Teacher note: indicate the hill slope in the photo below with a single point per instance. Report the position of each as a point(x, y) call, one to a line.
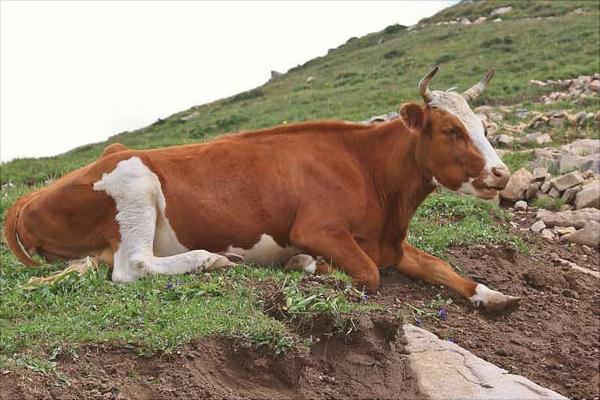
point(375, 73)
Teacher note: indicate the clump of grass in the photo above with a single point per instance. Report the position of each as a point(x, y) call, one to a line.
point(548, 203)
point(517, 160)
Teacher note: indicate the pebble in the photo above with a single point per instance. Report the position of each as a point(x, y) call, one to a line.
point(570, 293)
point(521, 205)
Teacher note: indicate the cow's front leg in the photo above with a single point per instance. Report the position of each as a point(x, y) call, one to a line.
point(339, 248)
point(419, 265)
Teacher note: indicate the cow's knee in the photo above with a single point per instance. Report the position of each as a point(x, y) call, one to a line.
point(368, 281)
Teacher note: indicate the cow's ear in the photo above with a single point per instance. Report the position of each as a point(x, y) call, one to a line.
point(413, 115)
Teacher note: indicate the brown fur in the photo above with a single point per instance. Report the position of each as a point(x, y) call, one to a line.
point(339, 190)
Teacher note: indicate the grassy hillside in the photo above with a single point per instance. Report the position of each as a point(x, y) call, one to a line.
point(375, 73)
point(369, 75)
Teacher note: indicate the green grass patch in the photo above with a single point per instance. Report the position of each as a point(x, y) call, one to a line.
point(517, 160)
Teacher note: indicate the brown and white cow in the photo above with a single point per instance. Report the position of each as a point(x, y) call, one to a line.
point(342, 191)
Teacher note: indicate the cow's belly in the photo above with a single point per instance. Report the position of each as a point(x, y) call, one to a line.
point(265, 252)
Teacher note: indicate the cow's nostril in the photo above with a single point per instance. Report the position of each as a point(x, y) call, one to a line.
point(501, 176)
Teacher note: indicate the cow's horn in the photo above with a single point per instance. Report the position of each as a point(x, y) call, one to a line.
point(476, 90)
point(424, 85)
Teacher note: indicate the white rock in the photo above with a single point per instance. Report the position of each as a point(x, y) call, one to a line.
point(445, 370)
point(536, 138)
point(589, 235)
point(562, 183)
point(500, 11)
point(589, 196)
point(577, 218)
point(547, 234)
point(564, 230)
point(538, 226)
point(517, 186)
point(521, 205)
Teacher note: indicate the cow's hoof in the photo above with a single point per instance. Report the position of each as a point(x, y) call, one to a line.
point(236, 258)
point(218, 262)
point(302, 262)
point(494, 301)
point(506, 304)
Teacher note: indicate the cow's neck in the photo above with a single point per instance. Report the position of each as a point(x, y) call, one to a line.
point(394, 161)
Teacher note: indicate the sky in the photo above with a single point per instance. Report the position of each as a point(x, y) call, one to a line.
point(73, 73)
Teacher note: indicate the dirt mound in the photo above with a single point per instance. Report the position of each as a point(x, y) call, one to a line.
point(372, 366)
point(552, 339)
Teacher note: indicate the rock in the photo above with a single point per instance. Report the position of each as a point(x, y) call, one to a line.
point(275, 75)
point(577, 218)
point(532, 190)
point(582, 147)
point(566, 181)
point(539, 174)
point(521, 205)
point(310, 79)
point(569, 194)
point(497, 20)
point(589, 235)
point(517, 186)
point(554, 193)
point(480, 20)
point(504, 140)
point(190, 117)
point(569, 162)
point(547, 234)
point(536, 138)
point(538, 226)
point(589, 196)
point(445, 370)
point(546, 186)
point(500, 11)
point(564, 230)
point(465, 21)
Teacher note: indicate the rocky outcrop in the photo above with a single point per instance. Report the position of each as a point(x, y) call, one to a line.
point(517, 186)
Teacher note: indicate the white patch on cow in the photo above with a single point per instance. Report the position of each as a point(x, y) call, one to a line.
point(486, 296)
point(265, 252)
point(456, 105)
point(137, 194)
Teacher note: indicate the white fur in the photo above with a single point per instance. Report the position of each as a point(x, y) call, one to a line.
point(456, 105)
point(484, 295)
point(137, 194)
point(265, 252)
point(311, 268)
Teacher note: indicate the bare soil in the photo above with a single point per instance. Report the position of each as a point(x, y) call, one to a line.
point(370, 365)
point(552, 339)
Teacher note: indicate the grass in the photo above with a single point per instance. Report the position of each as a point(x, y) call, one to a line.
point(365, 76)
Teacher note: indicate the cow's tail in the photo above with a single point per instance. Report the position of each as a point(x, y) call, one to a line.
point(12, 236)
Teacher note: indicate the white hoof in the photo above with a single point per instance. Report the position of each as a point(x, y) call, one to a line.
point(492, 300)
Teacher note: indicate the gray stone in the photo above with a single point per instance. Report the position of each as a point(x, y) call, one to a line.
point(445, 370)
point(589, 235)
point(532, 190)
point(569, 194)
point(521, 205)
point(536, 138)
point(562, 183)
point(500, 11)
point(570, 162)
point(554, 193)
point(547, 234)
point(538, 226)
point(546, 186)
point(190, 117)
point(517, 186)
point(589, 196)
point(577, 218)
point(564, 230)
point(504, 140)
point(582, 147)
point(539, 174)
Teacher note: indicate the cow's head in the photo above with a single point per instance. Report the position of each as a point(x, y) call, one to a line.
point(455, 148)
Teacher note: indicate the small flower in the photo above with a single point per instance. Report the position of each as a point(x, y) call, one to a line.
point(417, 321)
point(451, 340)
point(364, 297)
point(442, 313)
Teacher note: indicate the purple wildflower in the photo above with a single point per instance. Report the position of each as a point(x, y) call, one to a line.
point(442, 313)
point(417, 321)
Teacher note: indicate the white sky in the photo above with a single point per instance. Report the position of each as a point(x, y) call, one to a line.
point(72, 73)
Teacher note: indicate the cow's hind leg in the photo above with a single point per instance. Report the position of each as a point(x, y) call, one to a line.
point(419, 265)
point(137, 193)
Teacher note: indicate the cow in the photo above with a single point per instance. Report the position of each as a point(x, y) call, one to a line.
point(313, 196)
